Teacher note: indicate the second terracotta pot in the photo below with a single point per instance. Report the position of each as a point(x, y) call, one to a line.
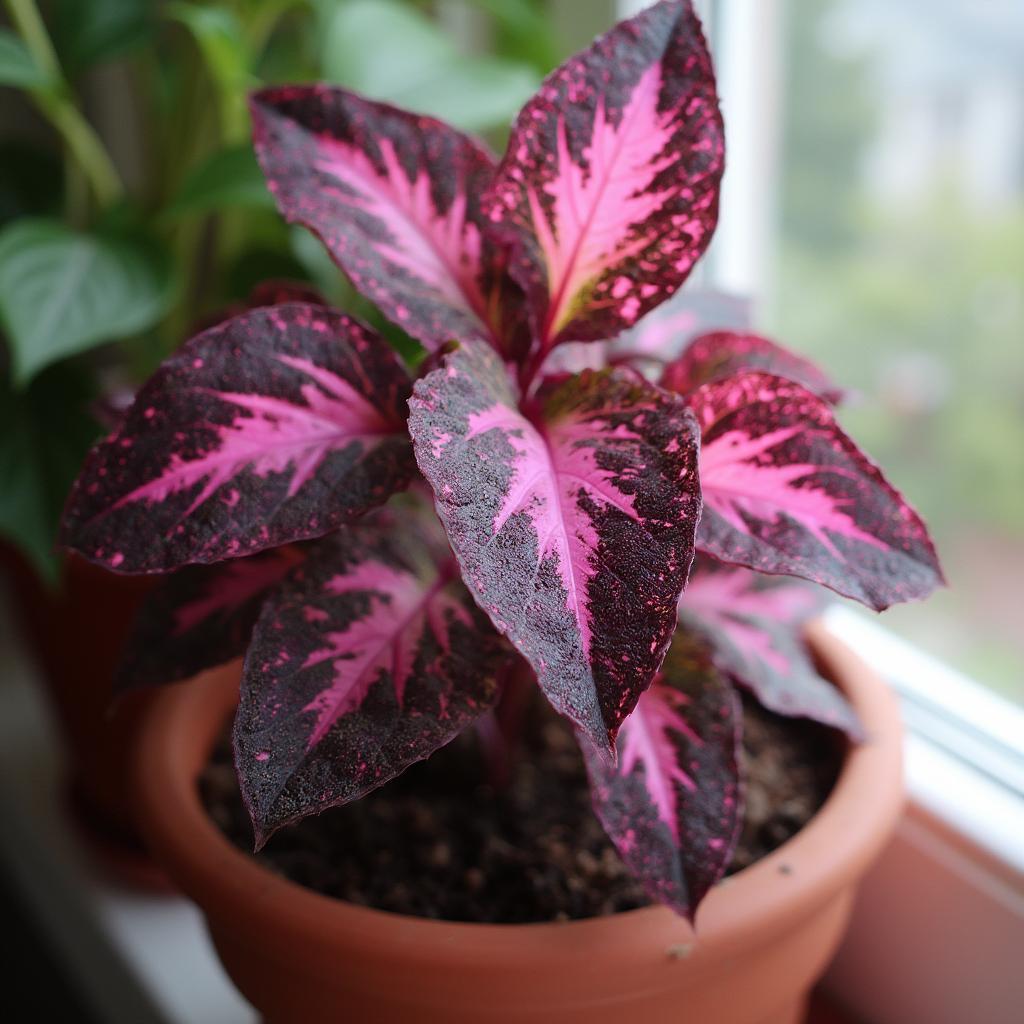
point(75, 633)
point(763, 937)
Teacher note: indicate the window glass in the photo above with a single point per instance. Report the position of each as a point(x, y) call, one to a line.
point(900, 267)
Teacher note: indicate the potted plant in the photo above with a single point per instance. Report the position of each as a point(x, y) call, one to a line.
point(402, 556)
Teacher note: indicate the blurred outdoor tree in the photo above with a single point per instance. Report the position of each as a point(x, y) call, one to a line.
point(919, 307)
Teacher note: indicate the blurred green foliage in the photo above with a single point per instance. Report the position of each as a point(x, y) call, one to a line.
point(919, 308)
point(103, 271)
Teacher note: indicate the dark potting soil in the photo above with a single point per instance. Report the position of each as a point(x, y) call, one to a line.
point(440, 842)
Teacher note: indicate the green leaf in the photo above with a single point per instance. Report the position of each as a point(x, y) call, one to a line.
point(45, 432)
point(16, 64)
point(88, 32)
point(228, 178)
point(391, 52)
point(62, 292)
point(524, 31)
point(221, 40)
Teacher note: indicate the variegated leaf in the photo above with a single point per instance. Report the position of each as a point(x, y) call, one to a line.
point(672, 805)
point(369, 658)
point(720, 354)
point(199, 617)
point(786, 491)
point(279, 425)
point(608, 192)
point(395, 197)
point(752, 625)
point(573, 526)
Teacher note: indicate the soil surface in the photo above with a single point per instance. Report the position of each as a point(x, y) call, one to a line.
point(440, 842)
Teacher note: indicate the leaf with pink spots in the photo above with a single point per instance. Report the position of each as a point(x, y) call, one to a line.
point(752, 625)
point(574, 524)
point(608, 191)
point(786, 491)
point(279, 425)
point(200, 617)
point(721, 354)
point(369, 658)
point(395, 197)
point(672, 804)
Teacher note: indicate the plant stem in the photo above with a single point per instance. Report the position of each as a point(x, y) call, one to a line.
point(56, 103)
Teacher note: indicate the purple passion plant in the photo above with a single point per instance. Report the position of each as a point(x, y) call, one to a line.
point(255, 464)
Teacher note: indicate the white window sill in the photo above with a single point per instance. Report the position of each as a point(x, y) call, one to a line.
point(938, 928)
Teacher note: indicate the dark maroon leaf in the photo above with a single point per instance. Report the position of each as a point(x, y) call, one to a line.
point(752, 625)
point(672, 805)
point(786, 491)
point(395, 197)
point(277, 293)
point(574, 526)
point(721, 354)
point(281, 424)
point(267, 293)
point(368, 659)
point(608, 191)
point(199, 617)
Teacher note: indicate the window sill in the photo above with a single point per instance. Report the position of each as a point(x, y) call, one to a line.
point(938, 926)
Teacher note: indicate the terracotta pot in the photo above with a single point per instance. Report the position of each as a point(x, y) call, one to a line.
point(762, 939)
point(75, 633)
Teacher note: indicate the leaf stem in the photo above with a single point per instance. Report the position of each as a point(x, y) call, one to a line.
point(54, 99)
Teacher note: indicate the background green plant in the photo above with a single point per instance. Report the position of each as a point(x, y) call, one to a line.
point(131, 206)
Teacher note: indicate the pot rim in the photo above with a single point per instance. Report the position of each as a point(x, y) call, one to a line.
point(777, 892)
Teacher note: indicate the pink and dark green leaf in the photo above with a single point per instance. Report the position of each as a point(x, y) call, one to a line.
point(720, 354)
point(608, 191)
point(672, 805)
point(280, 425)
point(574, 527)
point(752, 626)
point(786, 491)
point(200, 617)
point(395, 198)
point(368, 659)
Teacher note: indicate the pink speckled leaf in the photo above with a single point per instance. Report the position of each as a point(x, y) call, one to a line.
point(720, 354)
point(369, 658)
point(786, 491)
point(279, 425)
point(201, 616)
point(752, 625)
point(608, 192)
point(672, 805)
point(395, 197)
point(574, 526)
